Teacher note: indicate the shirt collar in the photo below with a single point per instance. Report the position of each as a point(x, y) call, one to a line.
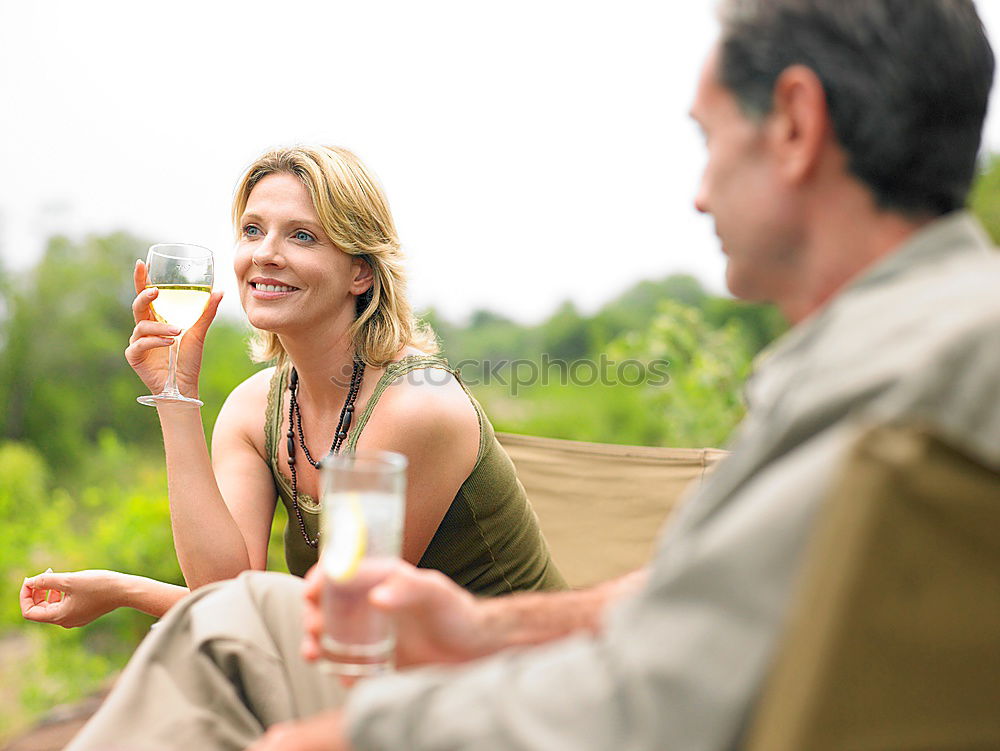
point(951, 236)
point(956, 234)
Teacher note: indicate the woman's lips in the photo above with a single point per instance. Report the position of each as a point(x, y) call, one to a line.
point(271, 290)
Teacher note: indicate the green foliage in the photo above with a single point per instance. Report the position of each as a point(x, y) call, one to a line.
point(633, 309)
point(113, 514)
point(24, 483)
point(66, 324)
point(621, 394)
point(567, 334)
point(759, 325)
point(985, 198)
point(598, 412)
point(82, 480)
point(226, 363)
point(702, 402)
point(709, 342)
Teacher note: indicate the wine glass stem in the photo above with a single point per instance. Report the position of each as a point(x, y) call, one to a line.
point(175, 348)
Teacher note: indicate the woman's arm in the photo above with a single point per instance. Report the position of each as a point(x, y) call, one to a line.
point(77, 598)
point(213, 540)
point(220, 507)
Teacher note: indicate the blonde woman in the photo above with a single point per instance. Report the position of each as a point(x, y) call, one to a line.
point(318, 268)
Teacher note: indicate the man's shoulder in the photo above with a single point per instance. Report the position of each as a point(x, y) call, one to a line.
point(938, 340)
point(921, 313)
point(923, 341)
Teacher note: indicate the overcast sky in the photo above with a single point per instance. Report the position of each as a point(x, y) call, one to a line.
point(532, 150)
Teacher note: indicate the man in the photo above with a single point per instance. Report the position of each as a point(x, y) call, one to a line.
point(842, 137)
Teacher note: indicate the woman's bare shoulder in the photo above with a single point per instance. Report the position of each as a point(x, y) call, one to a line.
point(253, 390)
point(430, 399)
point(243, 410)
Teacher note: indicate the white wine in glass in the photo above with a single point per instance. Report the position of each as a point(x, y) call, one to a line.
point(184, 275)
point(180, 305)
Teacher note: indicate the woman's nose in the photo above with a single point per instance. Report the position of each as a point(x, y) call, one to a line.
point(267, 253)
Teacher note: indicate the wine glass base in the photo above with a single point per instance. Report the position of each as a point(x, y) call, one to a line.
point(152, 400)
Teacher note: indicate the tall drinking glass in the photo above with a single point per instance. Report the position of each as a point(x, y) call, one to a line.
point(184, 275)
point(363, 499)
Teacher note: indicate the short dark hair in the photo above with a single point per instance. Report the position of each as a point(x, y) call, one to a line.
point(907, 85)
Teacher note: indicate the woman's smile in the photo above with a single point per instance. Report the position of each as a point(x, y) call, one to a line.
point(264, 288)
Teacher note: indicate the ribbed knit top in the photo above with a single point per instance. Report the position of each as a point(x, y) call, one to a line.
point(489, 541)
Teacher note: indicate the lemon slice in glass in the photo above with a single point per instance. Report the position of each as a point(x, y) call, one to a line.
point(347, 536)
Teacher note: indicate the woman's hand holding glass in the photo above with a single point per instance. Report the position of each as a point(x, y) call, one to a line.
point(152, 338)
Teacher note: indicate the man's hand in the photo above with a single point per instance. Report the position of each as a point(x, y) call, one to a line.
point(323, 732)
point(436, 620)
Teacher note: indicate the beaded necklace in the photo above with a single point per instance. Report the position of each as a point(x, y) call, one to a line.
point(343, 425)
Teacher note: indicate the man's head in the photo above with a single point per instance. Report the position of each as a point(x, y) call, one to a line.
point(834, 128)
point(906, 82)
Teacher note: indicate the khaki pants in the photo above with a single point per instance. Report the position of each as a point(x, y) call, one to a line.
point(222, 666)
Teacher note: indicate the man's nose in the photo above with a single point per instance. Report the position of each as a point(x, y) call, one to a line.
point(701, 197)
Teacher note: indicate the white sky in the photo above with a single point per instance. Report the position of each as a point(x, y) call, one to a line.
point(532, 151)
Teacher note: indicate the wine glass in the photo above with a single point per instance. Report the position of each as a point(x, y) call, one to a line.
point(183, 274)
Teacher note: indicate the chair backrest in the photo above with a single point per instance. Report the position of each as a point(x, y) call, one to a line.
point(601, 505)
point(894, 638)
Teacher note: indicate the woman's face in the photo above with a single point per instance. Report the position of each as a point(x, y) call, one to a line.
point(290, 274)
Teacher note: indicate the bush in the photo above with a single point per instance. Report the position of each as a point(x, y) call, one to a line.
point(115, 515)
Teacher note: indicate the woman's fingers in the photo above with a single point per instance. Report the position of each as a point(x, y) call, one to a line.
point(149, 335)
point(135, 351)
point(153, 328)
point(139, 275)
point(41, 596)
point(27, 599)
point(44, 612)
point(200, 328)
point(48, 580)
point(140, 305)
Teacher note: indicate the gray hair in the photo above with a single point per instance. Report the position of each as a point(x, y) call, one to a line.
point(907, 85)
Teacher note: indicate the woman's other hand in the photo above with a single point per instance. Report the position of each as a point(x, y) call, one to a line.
point(148, 347)
point(69, 599)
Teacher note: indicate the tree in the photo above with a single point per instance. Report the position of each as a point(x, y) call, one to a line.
point(565, 335)
point(702, 400)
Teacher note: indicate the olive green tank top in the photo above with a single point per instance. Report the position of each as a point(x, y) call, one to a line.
point(488, 542)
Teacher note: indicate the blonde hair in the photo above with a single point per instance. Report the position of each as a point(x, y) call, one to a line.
point(355, 216)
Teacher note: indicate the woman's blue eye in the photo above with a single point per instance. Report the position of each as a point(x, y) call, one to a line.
point(251, 231)
point(304, 237)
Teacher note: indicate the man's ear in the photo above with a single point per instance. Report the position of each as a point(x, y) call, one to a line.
point(799, 125)
point(364, 276)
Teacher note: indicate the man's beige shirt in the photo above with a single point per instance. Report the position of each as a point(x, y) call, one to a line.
point(679, 665)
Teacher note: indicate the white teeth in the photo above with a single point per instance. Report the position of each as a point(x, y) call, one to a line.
point(272, 288)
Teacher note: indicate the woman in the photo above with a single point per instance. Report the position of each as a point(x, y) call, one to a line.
point(318, 268)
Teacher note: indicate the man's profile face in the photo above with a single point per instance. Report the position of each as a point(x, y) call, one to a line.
point(741, 191)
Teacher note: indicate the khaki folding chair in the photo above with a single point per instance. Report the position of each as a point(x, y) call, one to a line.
point(601, 505)
point(894, 639)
